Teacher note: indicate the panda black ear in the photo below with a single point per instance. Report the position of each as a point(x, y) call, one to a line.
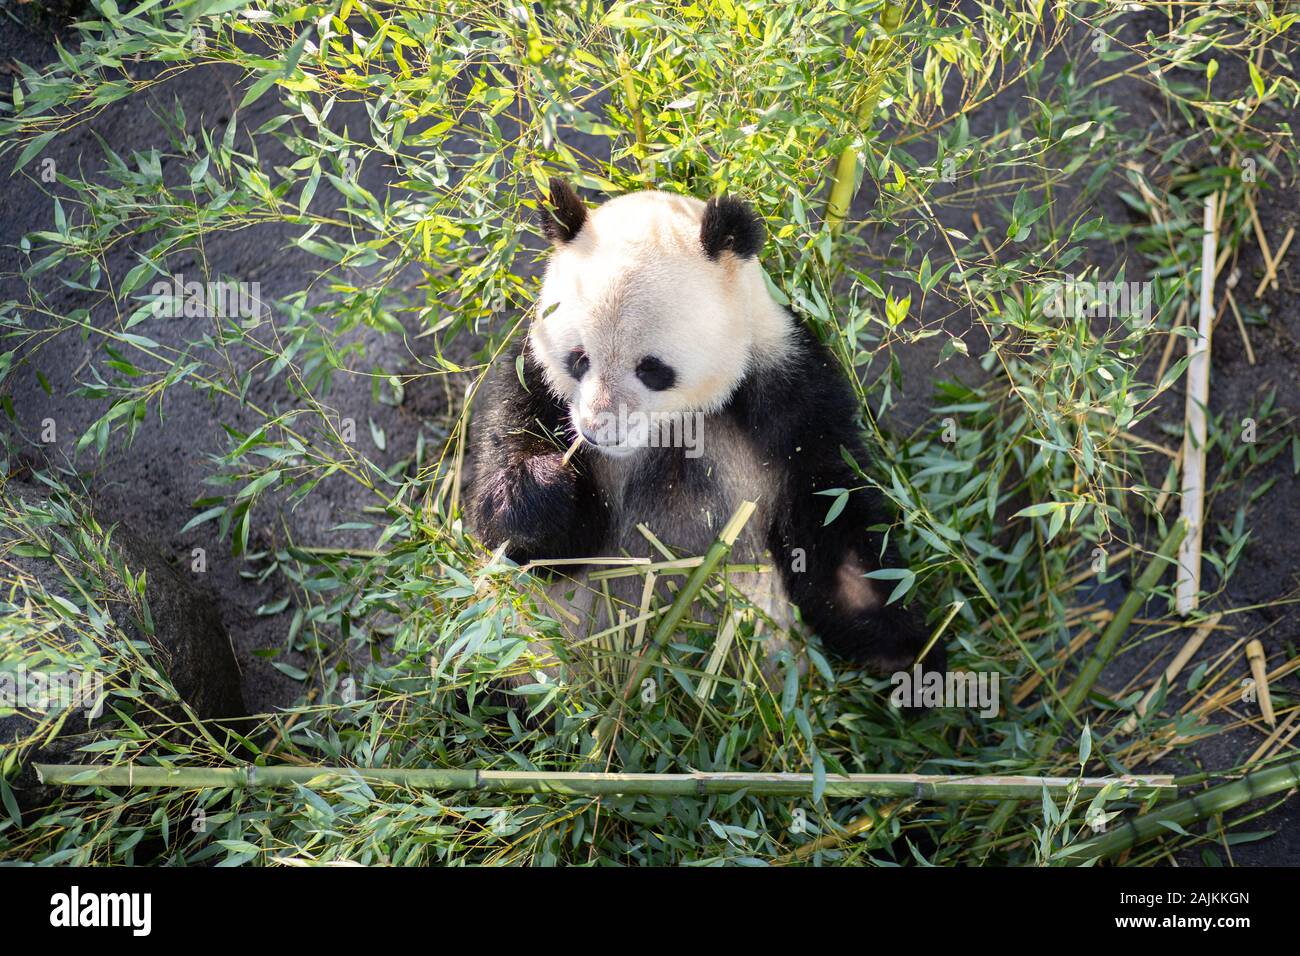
point(729, 225)
point(562, 213)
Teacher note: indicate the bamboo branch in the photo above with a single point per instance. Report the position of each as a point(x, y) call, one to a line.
point(572, 783)
point(1270, 273)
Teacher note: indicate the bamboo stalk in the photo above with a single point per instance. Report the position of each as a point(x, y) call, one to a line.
point(1270, 273)
point(844, 185)
point(1198, 400)
point(576, 783)
point(1183, 813)
point(668, 624)
point(633, 102)
point(1087, 676)
point(1259, 670)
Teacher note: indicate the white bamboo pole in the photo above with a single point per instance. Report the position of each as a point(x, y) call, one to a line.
point(1198, 399)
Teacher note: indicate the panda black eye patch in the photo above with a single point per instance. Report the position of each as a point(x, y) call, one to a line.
point(577, 363)
point(654, 374)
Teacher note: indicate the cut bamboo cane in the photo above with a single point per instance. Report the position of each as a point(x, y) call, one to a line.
point(1270, 267)
point(574, 783)
point(1185, 654)
point(1183, 813)
point(1259, 671)
point(1241, 328)
point(1198, 399)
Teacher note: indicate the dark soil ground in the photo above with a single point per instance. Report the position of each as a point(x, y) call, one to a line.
point(150, 486)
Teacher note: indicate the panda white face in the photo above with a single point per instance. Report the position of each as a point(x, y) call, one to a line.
point(653, 307)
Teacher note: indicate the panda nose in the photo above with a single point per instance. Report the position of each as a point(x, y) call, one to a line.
point(589, 437)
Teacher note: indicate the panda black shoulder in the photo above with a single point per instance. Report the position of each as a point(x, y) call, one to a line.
point(801, 399)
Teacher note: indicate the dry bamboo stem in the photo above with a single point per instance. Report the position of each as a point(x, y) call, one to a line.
point(1175, 668)
point(1260, 236)
point(1031, 683)
point(1198, 399)
point(1235, 693)
point(1241, 327)
point(574, 783)
point(1259, 670)
point(1270, 265)
point(1279, 738)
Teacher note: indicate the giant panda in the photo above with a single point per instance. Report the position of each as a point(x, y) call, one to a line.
point(654, 308)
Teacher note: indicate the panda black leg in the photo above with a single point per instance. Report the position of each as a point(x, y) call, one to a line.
point(824, 567)
point(804, 417)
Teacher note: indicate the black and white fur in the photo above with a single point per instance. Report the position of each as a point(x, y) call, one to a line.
point(666, 283)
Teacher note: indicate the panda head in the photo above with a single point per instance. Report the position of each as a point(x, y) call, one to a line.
point(653, 306)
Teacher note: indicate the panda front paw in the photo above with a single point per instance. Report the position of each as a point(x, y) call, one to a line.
point(897, 635)
point(532, 504)
point(885, 640)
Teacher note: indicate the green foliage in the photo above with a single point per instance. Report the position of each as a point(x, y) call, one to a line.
point(1004, 493)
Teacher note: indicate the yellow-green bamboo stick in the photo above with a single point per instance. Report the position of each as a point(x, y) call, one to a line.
point(578, 783)
point(1091, 670)
point(844, 185)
